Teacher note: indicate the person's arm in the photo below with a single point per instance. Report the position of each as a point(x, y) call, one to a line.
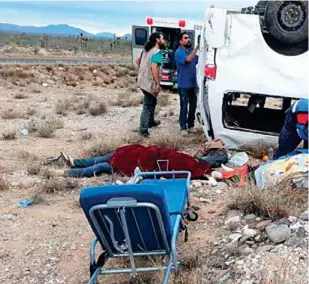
point(192, 55)
point(155, 73)
point(156, 62)
point(138, 60)
point(182, 58)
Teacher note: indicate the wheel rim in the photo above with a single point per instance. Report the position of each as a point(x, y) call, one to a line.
point(291, 15)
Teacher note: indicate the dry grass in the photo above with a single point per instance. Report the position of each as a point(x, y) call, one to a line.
point(127, 99)
point(45, 129)
point(27, 156)
point(276, 202)
point(12, 114)
point(9, 134)
point(62, 107)
point(53, 184)
point(169, 139)
point(111, 143)
point(34, 168)
point(36, 91)
point(4, 185)
point(97, 108)
point(20, 96)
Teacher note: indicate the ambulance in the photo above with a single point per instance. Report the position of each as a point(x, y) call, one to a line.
point(171, 29)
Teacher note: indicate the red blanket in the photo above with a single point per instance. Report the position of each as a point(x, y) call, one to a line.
point(127, 158)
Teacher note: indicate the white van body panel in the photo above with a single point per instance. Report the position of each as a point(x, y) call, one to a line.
point(245, 63)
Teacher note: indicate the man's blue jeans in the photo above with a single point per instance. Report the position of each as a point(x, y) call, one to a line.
point(91, 166)
point(186, 119)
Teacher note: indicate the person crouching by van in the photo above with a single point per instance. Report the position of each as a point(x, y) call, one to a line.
point(186, 61)
point(295, 129)
point(149, 80)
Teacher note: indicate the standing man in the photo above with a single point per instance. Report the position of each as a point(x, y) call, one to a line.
point(186, 61)
point(149, 80)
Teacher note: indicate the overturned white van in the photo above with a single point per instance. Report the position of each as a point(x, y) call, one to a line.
point(247, 77)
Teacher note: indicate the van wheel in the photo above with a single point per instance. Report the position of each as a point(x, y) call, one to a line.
point(287, 21)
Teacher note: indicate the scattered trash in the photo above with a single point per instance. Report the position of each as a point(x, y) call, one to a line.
point(242, 172)
point(25, 203)
point(24, 132)
point(238, 160)
point(271, 153)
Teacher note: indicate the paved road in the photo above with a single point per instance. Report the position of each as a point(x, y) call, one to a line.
point(29, 60)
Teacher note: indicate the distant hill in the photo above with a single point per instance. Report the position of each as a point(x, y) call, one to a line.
point(60, 30)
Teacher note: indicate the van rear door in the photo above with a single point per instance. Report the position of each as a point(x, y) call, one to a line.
point(203, 114)
point(140, 36)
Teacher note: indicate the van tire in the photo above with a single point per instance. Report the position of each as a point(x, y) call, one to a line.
point(292, 32)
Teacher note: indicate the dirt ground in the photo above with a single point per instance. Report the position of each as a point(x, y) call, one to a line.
point(48, 242)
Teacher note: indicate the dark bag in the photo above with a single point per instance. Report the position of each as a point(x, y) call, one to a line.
point(215, 158)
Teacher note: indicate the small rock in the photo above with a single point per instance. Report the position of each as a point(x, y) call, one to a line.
point(250, 217)
point(233, 216)
point(239, 262)
point(94, 71)
point(295, 227)
point(222, 186)
point(249, 233)
point(250, 243)
point(218, 191)
point(258, 238)
point(283, 221)
point(44, 85)
point(278, 233)
point(204, 200)
point(262, 225)
point(99, 80)
point(304, 216)
point(16, 83)
point(292, 219)
point(258, 219)
point(196, 184)
point(211, 211)
point(293, 241)
point(235, 219)
point(247, 251)
point(235, 237)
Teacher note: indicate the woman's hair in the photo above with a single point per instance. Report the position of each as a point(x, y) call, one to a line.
point(152, 41)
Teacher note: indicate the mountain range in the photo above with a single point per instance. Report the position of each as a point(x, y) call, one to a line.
point(59, 30)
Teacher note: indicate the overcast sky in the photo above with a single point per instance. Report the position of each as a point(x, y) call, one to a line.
point(105, 16)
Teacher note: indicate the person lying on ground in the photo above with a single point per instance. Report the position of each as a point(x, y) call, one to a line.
point(125, 159)
point(295, 129)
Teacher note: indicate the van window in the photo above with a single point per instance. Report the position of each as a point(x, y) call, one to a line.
point(140, 36)
point(255, 112)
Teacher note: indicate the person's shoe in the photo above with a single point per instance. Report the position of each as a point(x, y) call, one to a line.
point(155, 123)
point(67, 159)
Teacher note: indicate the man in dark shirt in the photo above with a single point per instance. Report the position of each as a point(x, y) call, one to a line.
point(186, 61)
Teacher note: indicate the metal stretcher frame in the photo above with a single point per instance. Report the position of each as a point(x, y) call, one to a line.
point(121, 205)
